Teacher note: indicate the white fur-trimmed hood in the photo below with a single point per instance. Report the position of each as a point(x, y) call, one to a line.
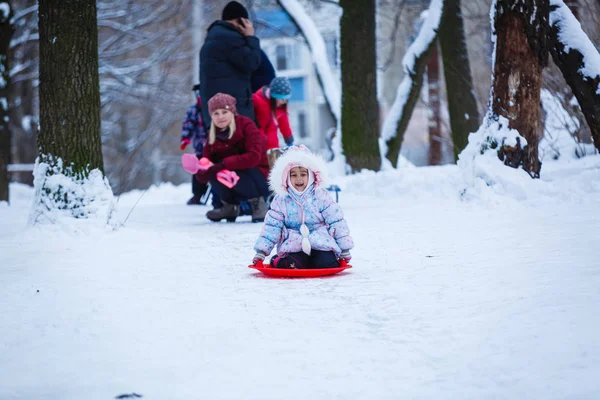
point(296, 156)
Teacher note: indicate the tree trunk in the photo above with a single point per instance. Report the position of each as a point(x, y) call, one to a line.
point(414, 64)
point(521, 54)
point(6, 32)
point(433, 112)
point(462, 106)
point(360, 108)
point(571, 62)
point(69, 85)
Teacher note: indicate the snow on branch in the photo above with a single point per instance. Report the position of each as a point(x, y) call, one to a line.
point(574, 38)
point(413, 64)
point(579, 62)
point(331, 85)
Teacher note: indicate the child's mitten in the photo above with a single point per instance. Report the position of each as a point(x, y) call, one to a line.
point(259, 256)
point(289, 141)
point(184, 144)
point(345, 255)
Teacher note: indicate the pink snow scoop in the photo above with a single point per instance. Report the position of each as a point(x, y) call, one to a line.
point(192, 165)
point(228, 178)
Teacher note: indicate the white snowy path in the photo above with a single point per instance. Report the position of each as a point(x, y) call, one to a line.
point(447, 299)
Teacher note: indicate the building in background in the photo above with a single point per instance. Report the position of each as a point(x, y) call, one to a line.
point(310, 118)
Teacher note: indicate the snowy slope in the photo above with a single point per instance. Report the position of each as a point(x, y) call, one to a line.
point(458, 291)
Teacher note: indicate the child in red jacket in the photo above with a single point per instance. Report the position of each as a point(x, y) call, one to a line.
point(235, 144)
point(270, 109)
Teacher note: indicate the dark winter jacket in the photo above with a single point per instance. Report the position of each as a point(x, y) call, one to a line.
point(227, 61)
point(247, 148)
point(264, 74)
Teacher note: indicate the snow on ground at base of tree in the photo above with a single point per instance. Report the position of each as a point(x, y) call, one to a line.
point(457, 292)
point(90, 197)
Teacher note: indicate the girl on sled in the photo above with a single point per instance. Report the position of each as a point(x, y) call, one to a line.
point(304, 222)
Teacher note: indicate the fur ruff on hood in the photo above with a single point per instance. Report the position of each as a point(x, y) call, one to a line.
point(296, 156)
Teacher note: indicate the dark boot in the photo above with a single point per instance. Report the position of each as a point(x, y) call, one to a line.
point(194, 201)
point(228, 212)
point(259, 209)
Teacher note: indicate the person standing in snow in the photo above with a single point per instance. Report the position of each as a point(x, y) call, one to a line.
point(193, 132)
point(264, 74)
point(229, 56)
point(304, 222)
point(235, 144)
point(270, 107)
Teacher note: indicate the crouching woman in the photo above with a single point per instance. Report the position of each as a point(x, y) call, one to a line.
point(235, 144)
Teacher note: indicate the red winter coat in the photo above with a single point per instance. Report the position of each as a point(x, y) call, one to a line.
point(246, 148)
point(269, 121)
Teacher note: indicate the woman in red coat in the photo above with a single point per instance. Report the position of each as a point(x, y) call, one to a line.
point(235, 144)
point(270, 109)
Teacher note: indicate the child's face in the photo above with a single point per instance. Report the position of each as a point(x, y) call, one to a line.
point(222, 118)
point(299, 178)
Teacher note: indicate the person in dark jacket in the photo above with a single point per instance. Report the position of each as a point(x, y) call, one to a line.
point(265, 73)
point(235, 144)
point(229, 56)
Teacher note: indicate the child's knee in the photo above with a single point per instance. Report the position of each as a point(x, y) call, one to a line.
point(324, 259)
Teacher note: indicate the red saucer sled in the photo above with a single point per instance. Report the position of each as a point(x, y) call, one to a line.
point(299, 273)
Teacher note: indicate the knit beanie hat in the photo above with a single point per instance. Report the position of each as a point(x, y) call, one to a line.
point(280, 88)
point(234, 10)
point(221, 101)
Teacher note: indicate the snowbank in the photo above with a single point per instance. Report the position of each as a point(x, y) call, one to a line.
point(61, 198)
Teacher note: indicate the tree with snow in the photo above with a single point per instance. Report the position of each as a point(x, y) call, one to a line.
point(443, 22)
point(69, 177)
point(521, 53)
point(145, 53)
point(6, 32)
point(579, 62)
point(524, 33)
point(462, 106)
point(360, 106)
point(330, 84)
point(414, 64)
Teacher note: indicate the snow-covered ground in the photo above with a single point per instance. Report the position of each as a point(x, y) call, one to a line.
point(458, 291)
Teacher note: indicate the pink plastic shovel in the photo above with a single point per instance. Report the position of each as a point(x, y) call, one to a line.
point(190, 163)
point(228, 178)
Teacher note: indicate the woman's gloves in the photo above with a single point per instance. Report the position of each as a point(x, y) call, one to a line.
point(205, 175)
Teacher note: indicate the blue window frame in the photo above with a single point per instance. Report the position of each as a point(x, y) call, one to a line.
point(297, 89)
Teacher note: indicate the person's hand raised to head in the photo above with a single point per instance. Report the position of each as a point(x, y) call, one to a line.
point(246, 27)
